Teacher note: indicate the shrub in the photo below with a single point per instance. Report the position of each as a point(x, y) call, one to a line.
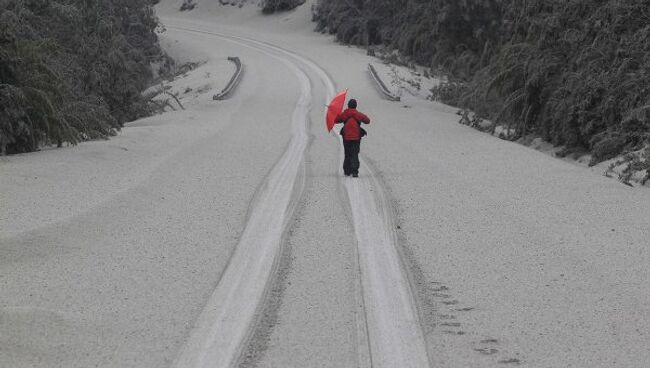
point(449, 93)
point(607, 148)
point(187, 5)
point(272, 6)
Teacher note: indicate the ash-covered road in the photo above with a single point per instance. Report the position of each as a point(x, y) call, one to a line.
point(226, 235)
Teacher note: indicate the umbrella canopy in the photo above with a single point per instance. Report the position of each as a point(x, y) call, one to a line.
point(334, 108)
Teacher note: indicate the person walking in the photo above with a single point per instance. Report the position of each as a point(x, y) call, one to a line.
point(352, 134)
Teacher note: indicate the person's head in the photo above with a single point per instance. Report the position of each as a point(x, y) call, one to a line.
point(352, 104)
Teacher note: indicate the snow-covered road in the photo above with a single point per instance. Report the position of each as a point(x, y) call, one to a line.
point(230, 315)
point(392, 322)
point(225, 235)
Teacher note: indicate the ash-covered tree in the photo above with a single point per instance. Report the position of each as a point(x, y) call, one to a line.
point(72, 69)
point(573, 71)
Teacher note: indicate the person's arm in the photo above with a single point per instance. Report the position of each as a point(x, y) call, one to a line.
point(364, 118)
point(340, 118)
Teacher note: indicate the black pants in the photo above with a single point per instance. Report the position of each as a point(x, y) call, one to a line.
point(351, 162)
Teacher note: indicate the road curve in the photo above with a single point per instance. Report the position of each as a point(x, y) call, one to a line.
point(393, 324)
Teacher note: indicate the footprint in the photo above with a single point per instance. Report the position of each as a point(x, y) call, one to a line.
point(450, 302)
point(449, 332)
point(466, 309)
point(486, 351)
point(510, 361)
point(489, 341)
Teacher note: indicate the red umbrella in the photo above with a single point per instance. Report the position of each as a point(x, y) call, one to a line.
point(334, 108)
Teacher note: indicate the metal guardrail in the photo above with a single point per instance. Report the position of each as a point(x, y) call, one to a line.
point(381, 85)
point(234, 81)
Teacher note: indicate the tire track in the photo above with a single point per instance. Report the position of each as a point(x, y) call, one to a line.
point(226, 322)
point(394, 328)
point(392, 320)
point(394, 333)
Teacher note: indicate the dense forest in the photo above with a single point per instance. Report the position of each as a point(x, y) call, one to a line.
point(575, 72)
point(72, 70)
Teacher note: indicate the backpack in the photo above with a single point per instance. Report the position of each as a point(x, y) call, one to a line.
point(361, 130)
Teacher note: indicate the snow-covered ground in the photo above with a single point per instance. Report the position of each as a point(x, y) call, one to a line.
point(113, 251)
